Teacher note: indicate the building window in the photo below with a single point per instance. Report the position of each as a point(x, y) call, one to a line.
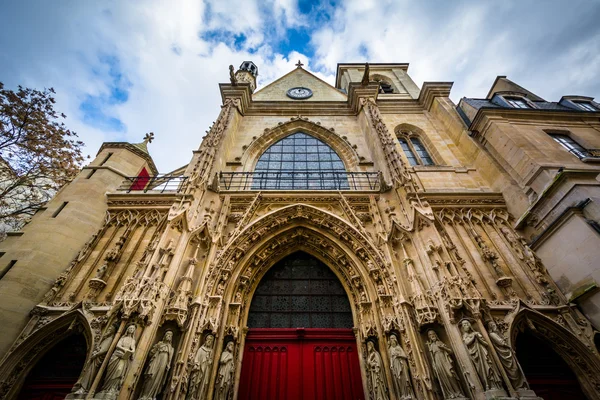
point(300, 162)
point(517, 102)
point(300, 291)
point(414, 151)
point(585, 105)
point(385, 88)
point(572, 146)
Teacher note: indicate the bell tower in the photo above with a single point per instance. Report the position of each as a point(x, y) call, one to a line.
point(247, 74)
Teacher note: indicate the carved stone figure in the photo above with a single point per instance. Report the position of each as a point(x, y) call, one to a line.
point(224, 382)
point(200, 378)
point(479, 352)
point(507, 357)
point(399, 368)
point(512, 240)
point(101, 271)
point(156, 373)
point(85, 382)
point(118, 364)
point(443, 366)
point(375, 373)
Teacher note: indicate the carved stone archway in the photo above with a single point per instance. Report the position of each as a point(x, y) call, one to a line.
point(300, 124)
point(23, 358)
point(362, 269)
point(573, 351)
point(357, 262)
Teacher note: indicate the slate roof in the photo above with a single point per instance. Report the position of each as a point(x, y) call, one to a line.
point(542, 105)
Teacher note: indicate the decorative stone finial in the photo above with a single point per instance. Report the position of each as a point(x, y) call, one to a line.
point(232, 77)
point(149, 137)
point(299, 64)
point(365, 78)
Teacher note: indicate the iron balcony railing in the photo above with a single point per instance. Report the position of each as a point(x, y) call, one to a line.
point(300, 180)
point(585, 153)
point(158, 183)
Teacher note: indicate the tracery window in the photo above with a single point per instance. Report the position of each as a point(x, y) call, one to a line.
point(414, 150)
point(299, 162)
point(300, 292)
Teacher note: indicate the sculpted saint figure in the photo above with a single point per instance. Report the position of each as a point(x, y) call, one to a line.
point(85, 382)
point(443, 367)
point(119, 362)
point(507, 357)
point(224, 383)
point(376, 374)
point(399, 368)
point(155, 376)
point(478, 350)
point(199, 380)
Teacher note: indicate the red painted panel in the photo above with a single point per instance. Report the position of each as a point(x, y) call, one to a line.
point(141, 180)
point(300, 364)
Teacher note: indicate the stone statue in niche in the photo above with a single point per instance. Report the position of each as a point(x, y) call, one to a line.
point(479, 353)
point(156, 373)
point(399, 368)
point(224, 382)
point(200, 377)
point(376, 373)
point(87, 378)
point(507, 357)
point(118, 364)
point(101, 271)
point(443, 366)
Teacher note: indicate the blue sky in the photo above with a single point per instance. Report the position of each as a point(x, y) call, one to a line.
point(123, 68)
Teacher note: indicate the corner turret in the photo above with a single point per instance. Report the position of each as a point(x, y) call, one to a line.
point(247, 73)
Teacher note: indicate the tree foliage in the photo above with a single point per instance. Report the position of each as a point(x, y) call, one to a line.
point(38, 154)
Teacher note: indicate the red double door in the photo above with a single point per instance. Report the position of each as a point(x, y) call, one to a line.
point(300, 364)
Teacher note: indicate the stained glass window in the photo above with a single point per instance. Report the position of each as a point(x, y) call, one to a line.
point(300, 292)
point(300, 162)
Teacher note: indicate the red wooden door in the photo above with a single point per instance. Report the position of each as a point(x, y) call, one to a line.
point(300, 364)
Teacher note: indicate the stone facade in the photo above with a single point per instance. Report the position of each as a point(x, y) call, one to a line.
point(159, 281)
point(552, 192)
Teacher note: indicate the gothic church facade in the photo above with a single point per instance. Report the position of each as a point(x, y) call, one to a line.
point(324, 242)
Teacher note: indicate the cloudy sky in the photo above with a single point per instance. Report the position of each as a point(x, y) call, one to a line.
point(124, 68)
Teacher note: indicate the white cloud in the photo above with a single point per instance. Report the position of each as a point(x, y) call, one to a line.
point(174, 54)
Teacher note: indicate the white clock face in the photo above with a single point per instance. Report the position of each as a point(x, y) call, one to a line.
point(299, 93)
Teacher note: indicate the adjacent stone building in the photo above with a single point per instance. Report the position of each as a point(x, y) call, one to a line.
point(361, 241)
point(549, 154)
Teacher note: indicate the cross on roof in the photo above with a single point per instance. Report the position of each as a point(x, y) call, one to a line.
point(299, 65)
point(149, 137)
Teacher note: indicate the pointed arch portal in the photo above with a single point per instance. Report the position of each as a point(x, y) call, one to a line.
point(300, 343)
point(54, 375)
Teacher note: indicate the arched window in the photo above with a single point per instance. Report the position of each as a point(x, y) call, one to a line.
point(300, 292)
point(385, 87)
point(415, 151)
point(299, 162)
